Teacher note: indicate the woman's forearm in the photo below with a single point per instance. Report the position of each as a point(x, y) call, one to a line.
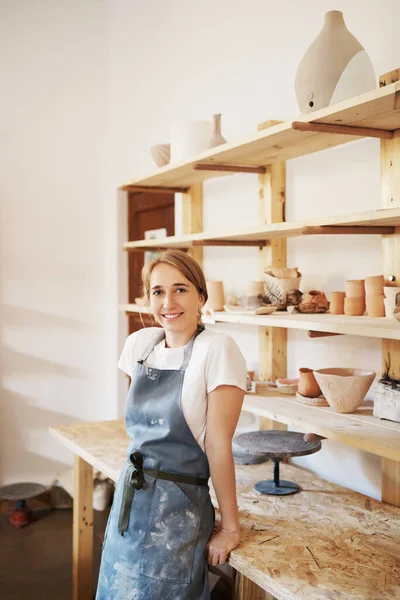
point(222, 470)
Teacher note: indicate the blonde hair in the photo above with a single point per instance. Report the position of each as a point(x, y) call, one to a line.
point(189, 268)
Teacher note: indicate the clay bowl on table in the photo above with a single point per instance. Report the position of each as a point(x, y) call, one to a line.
point(161, 154)
point(344, 389)
point(287, 386)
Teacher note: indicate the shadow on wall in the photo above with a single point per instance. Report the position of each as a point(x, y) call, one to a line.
point(16, 363)
point(335, 459)
point(25, 443)
point(21, 316)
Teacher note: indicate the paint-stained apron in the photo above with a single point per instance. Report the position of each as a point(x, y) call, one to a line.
point(154, 544)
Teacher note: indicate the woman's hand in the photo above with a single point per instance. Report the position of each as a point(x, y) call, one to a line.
point(220, 544)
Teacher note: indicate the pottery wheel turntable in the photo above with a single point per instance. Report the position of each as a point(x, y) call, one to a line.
point(276, 445)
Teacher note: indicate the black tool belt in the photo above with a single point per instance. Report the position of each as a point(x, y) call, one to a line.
point(134, 480)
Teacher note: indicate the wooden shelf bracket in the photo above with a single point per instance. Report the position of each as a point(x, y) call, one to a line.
point(229, 168)
point(343, 129)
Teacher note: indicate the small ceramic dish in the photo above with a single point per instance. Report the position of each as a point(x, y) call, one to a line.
point(318, 401)
point(287, 386)
point(396, 314)
point(263, 310)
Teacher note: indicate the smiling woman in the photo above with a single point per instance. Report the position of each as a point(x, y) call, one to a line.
point(182, 408)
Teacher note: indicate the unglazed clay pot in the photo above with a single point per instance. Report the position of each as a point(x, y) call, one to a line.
point(215, 290)
point(308, 385)
point(374, 285)
point(375, 306)
point(355, 288)
point(354, 307)
point(337, 303)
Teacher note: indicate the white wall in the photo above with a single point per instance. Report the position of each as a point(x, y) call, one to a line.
point(57, 285)
point(175, 60)
point(86, 87)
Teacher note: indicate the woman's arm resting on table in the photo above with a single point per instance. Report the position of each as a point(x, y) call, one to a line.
point(224, 406)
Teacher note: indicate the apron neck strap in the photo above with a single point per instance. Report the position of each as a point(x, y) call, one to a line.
point(188, 348)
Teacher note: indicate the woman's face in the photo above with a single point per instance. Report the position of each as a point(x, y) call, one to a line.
point(174, 301)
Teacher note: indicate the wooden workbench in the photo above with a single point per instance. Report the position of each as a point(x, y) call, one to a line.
point(324, 543)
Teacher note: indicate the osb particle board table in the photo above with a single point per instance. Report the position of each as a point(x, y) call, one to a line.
point(324, 543)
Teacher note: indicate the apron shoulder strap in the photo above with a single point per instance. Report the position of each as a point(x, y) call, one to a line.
point(156, 339)
point(189, 348)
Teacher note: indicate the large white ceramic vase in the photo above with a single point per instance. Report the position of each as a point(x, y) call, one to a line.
point(335, 67)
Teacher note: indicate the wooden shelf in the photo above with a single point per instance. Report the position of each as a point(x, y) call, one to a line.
point(359, 429)
point(376, 222)
point(372, 327)
point(378, 109)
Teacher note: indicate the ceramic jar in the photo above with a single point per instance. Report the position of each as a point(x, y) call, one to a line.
point(215, 290)
point(355, 288)
point(337, 303)
point(335, 67)
point(376, 306)
point(374, 285)
point(354, 307)
point(308, 385)
point(217, 138)
point(189, 138)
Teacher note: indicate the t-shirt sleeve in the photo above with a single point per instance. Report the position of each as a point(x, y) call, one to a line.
point(225, 364)
point(126, 360)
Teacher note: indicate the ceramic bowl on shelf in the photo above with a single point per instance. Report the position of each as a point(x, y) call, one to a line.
point(161, 154)
point(344, 389)
point(287, 386)
point(396, 314)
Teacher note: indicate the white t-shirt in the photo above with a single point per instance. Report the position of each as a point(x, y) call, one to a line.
point(216, 360)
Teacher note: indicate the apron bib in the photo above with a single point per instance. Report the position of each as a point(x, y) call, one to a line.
point(162, 516)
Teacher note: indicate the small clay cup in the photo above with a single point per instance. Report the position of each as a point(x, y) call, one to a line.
point(355, 288)
point(374, 285)
point(354, 307)
point(375, 306)
point(308, 385)
point(337, 303)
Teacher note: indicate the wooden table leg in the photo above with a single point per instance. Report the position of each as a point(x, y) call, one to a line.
point(82, 556)
point(245, 589)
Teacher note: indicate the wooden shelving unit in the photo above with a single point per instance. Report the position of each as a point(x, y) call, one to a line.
point(374, 222)
point(372, 327)
point(376, 112)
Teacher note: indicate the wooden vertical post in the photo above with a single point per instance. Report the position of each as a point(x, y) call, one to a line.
point(272, 340)
point(390, 173)
point(192, 217)
point(82, 552)
point(245, 589)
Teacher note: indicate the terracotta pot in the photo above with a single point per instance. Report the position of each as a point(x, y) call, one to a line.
point(374, 285)
point(215, 291)
point(337, 303)
point(375, 306)
point(354, 307)
point(355, 288)
point(308, 385)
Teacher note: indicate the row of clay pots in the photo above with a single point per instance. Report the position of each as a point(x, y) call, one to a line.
point(361, 295)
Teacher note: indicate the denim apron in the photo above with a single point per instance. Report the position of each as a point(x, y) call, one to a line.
point(162, 516)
